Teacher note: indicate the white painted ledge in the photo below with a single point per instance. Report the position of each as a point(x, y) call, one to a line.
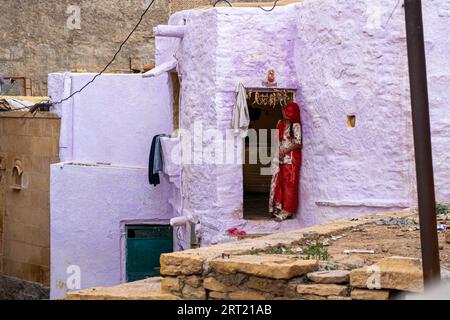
point(169, 31)
point(165, 67)
point(364, 203)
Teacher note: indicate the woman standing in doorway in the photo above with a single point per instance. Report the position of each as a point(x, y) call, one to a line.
point(286, 165)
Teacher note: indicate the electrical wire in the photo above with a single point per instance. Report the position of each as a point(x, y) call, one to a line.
point(222, 1)
point(117, 53)
point(104, 69)
point(112, 60)
point(392, 13)
point(273, 8)
point(8, 89)
point(262, 8)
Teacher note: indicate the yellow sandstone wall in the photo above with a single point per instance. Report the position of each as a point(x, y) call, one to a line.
point(25, 213)
point(86, 45)
point(179, 5)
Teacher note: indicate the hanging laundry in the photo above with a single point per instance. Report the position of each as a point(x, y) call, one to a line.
point(241, 116)
point(155, 165)
point(171, 156)
point(157, 162)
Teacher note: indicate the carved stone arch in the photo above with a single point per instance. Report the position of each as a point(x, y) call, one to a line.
point(17, 175)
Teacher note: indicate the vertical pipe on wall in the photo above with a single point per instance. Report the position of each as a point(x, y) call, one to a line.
point(422, 141)
point(66, 114)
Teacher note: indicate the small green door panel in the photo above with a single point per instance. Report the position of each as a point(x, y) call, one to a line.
point(145, 244)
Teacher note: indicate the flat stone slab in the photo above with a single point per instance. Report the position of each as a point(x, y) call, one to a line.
point(329, 277)
point(397, 273)
point(362, 294)
point(267, 266)
point(149, 289)
point(322, 290)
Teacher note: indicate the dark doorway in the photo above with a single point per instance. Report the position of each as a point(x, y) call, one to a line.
point(257, 184)
point(265, 111)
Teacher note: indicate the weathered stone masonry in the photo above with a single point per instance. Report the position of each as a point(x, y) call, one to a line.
point(244, 270)
point(42, 37)
point(32, 143)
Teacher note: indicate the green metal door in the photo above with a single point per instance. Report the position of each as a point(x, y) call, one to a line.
point(145, 244)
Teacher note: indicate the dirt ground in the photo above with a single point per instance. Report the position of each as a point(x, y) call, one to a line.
point(384, 240)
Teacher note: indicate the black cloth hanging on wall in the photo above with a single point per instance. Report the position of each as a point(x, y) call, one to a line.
point(152, 177)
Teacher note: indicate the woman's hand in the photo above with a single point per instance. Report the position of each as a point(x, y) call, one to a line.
point(283, 153)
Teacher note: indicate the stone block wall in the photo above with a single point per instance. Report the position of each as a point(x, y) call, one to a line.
point(48, 36)
point(25, 210)
point(226, 283)
point(62, 35)
point(179, 5)
point(247, 270)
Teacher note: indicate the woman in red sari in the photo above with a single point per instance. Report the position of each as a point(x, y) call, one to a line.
point(286, 165)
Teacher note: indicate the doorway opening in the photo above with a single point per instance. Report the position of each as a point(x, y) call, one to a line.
point(265, 111)
point(175, 80)
point(144, 246)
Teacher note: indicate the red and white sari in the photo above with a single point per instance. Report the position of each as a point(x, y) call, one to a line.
point(284, 189)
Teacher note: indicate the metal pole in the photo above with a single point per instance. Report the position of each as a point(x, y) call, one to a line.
point(422, 141)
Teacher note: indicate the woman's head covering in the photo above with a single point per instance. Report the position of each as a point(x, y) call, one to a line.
point(292, 111)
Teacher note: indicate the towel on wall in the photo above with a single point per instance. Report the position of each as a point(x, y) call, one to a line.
point(241, 116)
point(171, 156)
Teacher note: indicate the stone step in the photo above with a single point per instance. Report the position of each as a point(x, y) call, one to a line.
point(362, 294)
point(323, 290)
point(149, 289)
point(394, 273)
point(268, 266)
point(330, 277)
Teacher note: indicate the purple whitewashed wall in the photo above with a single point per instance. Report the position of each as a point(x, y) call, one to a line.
point(114, 121)
point(343, 57)
point(351, 60)
point(437, 30)
point(90, 207)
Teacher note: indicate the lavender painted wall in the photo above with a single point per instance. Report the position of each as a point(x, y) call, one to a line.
point(437, 30)
point(114, 122)
point(350, 61)
point(90, 206)
point(115, 119)
point(345, 58)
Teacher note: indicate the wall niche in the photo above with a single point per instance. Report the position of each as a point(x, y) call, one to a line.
point(17, 175)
